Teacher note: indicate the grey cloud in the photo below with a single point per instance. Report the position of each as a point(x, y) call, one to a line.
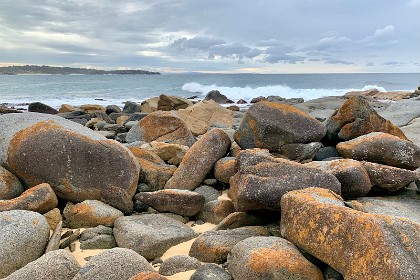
point(200, 43)
point(234, 51)
point(370, 64)
point(393, 63)
point(338, 61)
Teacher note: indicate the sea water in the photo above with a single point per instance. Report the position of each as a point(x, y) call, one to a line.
point(54, 90)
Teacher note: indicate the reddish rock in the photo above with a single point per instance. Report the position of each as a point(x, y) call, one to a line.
point(40, 198)
point(10, 186)
point(224, 169)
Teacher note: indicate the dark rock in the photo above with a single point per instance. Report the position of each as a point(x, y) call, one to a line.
point(326, 152)
point(258, 99)
point(233, 108)
point(300, 152)
point(103, 116)
point(114, 116)
point(210, 271)
point(10, 186)
point(137, 116)
point(241, 101)
point(218, 97)
point(215, 211)
point(112, 109)
point(38, 107)
point(70, 239)
point(178, 264)
point(242, 219)
point(169, 103)
point(208, 192)
point(332, 274)
point(100, 237)
point(131, 107)
point(75, 115)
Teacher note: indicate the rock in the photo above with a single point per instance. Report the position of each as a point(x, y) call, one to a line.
point(10, 186)
point(149, 105)
point(210, 182)
point(99, 237)
point(402, 112)
point(332, 274)
point(178, 264)
point(214, 246)
point(54, 242)
point(199, 160)
point(148, 276)
point(242, 219)
point(300, 152)
point(55, 265)
point(356, 118)
point(39, 107)
point(215, 211)
point(216, 96)
point(356, 244)
point(78, 163)
point(274, 178)
point(326, 152)
point(270, 125)
point(208, 192)
point(387, 179)
point(270, 258)
point(258, 99)
point(154, 171)
point(114, 264)
point(412, 130)
point(378, 95)
point(150, 235)
point(104, 116)
point(91, 108)
point(72, 236)
point(66, 108)
point(170, 153)
point(79, 116)
point(224, 169)
point(172, 129)
point(352, 175)
point(23, 237)
point(210, 271)
point(382, 148)
point(241, 101)
point(40, 198)
point(205, 115)
point(131, 107)
point(169, 103)
point(90, 213)
point(5, 110)
point(134, 117)
point(112, 109)
point(181, 202)
point(234, 108)
point(53, 217)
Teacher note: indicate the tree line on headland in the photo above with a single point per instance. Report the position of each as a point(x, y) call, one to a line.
point(54, 70)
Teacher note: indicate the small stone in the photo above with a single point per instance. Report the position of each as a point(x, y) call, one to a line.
point(210, 271)
point(208, 192)
point(210, 182)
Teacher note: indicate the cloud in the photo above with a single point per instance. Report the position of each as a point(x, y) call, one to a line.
point(413, 3)
point(199, 43)
point(338, 61)
point(331, 43)
point(393, 63)
point(370, 64)
point(281, 53)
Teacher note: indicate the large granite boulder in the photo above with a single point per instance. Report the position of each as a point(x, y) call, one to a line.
point(23, 238)
point(216, 96)
point(270, 258)
point(54, 265)
point(262, 180)
point(163, 127)
point(170, 103)
point(204, 115)
point(150, 235)
point(170, 153)
point(40, 198)
point(10, 186)
point(78, 163)
point(199, 160)
point(270, 125)
point(358, 245)
point(402, 112)
point(382, 148)
point(356, 118)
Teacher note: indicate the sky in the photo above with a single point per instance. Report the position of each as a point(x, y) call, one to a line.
point(225, 36)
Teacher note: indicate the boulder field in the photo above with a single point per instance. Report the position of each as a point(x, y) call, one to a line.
point(175, 189)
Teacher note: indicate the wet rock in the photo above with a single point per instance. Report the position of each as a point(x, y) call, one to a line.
point(224, 169)
point(90, 213)
point(39, 107)
point(169, 103)
point(214, 246)
point(172, 129)
point(10, 186)
point(270, 258)
point(150, 235)
point(356, 244)
point(131, 107)
point(210, 271)
point(182, 202)
point(274, 178)
point(78, 163)
point(178, 264)
point(300, 152)
point(55, 265)
point(382, 148)
point(215, 211)
point(23, 237)
point(40, 198)
point(270, 125)
point(216, 96)
point(114, 264)
point(199, 160)
point(356, 118)
point(99, 237)
point(205, 115)
point(170, 153)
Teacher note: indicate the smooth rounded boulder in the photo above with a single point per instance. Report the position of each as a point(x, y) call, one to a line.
point(78, 163)
point(10, 186)
point(269, 125)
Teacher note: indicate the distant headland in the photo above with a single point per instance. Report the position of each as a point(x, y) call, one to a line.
point(55, 70)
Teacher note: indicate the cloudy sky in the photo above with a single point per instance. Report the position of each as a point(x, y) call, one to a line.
point(257, 36)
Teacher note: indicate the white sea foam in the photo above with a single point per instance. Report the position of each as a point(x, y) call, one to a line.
point(247, 93)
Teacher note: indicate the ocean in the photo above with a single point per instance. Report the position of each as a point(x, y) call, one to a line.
point(54, 90)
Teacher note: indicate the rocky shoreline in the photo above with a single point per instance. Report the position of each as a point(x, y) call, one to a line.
point(275, 189)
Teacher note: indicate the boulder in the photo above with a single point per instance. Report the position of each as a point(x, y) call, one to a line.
point(169, 103)
point(215, 211)
point(91, 108)
point(170, 153)
point(358, 245)
point(53, 217)
point(78, 163)
point(99, 237)
point(38, 107)
point(179, 263)
point(66, 108)
point(205, 115)
point(270, 125)
point(78, 116)
point(402, 112)
point(210, 271)
point(131, 107)
point(382, 148)
point(90, 213)
point(380, 95)
point(326, 153)
point(112, 109)
point(224, 169)
point(181, 202)
point(154, 171)
point(40, 198)
point(214, 246)
point(148, 276)
point(262, 180)
point(149, 105)
point(208, 192)
point(300, 152)
point(23, 238)
point(54, 265)
point(199, 160)
point(114, 264)
point(270, 258)
point(356, 118)
point(216, 96)
point(242, 219)
point(163, 127)
point(10, 186)
point(150, 235)
point(412, 130)
point(354, 179)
